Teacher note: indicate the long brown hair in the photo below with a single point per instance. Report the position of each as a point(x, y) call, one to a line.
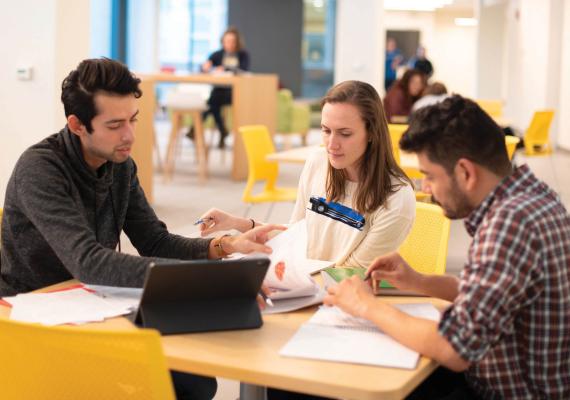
point(378, 165)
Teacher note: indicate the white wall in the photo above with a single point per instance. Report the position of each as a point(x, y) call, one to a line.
point(359, 51)
point(491, 40)
point(534, 50)
point(51, 36)
point(451, 49)
point(564, 106)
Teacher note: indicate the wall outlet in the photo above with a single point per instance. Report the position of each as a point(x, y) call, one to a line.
point(24, 73)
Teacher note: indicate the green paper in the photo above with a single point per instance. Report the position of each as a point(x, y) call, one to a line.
point(341, 273)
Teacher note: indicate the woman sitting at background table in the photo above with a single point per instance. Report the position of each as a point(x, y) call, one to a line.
point(231, 57)
point(403, 94)
point(356, 168)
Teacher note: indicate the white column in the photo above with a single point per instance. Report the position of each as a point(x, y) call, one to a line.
point(360, 47)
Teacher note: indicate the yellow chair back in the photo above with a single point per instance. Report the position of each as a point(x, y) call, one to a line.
point(511, 142)
point(536, 139)
point(425, 248)
point(396, 131)
point(258, 145)
point(39, 362)
point(492, 107)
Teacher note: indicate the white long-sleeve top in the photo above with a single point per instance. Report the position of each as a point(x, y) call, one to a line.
point(384, 231)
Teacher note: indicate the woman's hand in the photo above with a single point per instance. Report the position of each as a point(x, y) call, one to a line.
point(251, 241)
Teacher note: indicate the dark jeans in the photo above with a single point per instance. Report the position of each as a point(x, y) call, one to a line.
point(218, 97)
point(443, 384)
point(193, 387)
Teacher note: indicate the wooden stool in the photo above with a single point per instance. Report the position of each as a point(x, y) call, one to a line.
point(201, 150)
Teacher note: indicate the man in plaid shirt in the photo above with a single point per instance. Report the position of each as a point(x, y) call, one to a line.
point(508, 327)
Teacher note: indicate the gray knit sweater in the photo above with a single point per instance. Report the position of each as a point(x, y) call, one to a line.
point(61, 221)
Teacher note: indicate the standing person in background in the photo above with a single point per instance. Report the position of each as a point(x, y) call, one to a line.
point(231, 57)
point(393, 60)
point(403, 94)
point(421, 63)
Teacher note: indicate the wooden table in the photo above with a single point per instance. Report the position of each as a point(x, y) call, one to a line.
point(251, 356)
point(254, 101)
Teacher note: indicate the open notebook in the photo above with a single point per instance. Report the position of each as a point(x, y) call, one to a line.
point(334, 335)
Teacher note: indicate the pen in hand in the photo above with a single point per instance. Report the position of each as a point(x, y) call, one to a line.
point(203, 220)
point(265, 298)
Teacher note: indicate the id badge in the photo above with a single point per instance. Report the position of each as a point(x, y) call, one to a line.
point(338, 212)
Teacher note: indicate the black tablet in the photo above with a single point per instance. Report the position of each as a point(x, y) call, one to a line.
point(200, 296)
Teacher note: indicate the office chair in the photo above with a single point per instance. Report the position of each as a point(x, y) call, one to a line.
point(67, 363)
point(425, 248)
point(536, 141)
point(258, 145)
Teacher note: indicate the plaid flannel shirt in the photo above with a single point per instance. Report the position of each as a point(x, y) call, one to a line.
point(511, 319)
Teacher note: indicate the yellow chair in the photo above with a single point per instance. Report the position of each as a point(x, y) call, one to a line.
point(492, 107)
point(39, 362)
point(258, 145)
point(425, 248)
point(396, 131)
point(536, 141)
point(511, 142)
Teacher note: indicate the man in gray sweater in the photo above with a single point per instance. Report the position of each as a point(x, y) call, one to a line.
point(71, 195)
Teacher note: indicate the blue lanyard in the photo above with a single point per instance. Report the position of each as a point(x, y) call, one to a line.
point(337, 212)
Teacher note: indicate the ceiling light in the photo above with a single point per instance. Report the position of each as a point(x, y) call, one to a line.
point(415, 5)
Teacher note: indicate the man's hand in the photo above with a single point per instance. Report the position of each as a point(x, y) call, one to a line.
point(251, 241)
point(396, 271)
point(352, 295)
point(215, 220)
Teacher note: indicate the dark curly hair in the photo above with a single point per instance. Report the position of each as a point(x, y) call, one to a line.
point(91, 77)
point(457, 128)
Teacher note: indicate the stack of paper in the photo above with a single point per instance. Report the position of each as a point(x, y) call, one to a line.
point(334, 335)
point(74, 306)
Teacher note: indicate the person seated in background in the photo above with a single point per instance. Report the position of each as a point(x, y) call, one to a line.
point(402, 95)
point(421, 63)
point(71, 195)
point(433, 94)
point(231, 57)
point(356, 168)
point(507, 327)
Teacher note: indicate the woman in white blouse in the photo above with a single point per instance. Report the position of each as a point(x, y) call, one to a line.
point(355, 168)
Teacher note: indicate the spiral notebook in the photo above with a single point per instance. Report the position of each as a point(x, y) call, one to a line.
point(333, 335)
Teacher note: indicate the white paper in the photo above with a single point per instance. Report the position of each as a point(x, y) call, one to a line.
point(283, 277)
point(296, 303)
point(74, 306)
point(119, 296)
point(333, 335)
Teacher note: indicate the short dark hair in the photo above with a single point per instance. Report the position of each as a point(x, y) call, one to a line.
point(457, 128)
point(91, 77)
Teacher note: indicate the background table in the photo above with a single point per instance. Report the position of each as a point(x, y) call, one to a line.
point(254, 101)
